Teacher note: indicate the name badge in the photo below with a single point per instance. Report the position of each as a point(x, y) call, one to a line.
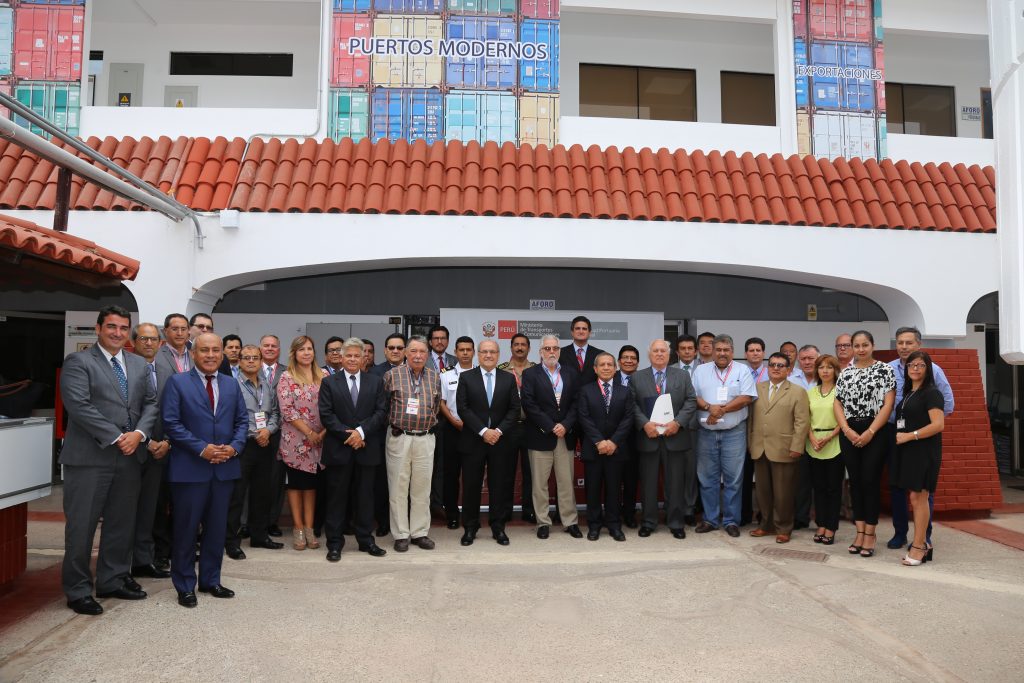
point(412, 406)
point(723, 394)
point(261, 419)
point(901, 423)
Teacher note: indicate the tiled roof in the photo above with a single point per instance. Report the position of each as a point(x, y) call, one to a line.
point(65, 249)
point(472, 179)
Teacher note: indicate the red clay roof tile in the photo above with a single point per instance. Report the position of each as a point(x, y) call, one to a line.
point(66, 249)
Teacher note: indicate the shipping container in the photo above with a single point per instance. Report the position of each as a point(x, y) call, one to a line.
point(409, 6)
point(51, 2)
point(847, 20)
point(800, 60)
point(840, 93)
point(540, 9)
point(352, 6)
point(408, 70)
point(538, 119)
point(348, 69)
point(878, 21)
point(844, 134)
point(349, 114)
point(7, 88)
point(407, 114)
point(883, 138)
point(494, 8)
point(481, 116)
point(57, 102)
point(880, 85)
point(799, 19)
point(803, 133)
point(481, 72)
point(540, 75)
point(6, 40)
point(48, 42)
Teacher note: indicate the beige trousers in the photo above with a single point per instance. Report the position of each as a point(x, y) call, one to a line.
point(410, 463)
point(541, 464)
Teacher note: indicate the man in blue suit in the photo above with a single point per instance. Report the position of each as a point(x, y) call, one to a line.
point(205, 419)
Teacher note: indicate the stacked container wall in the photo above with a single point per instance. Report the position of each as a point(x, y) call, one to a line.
point(540, 9)
point(843, 134)
point(883, 137)
point(481, 116)
point(878, 20)
point(880, 85)
point(348, 69)
point(408, 70)
point(481, 72)
point(540, 75)
point(803, 133)
point(800, 59)
point(352, 6)
point(6, 40)
point(7, 88)
point(407, 114)
point(847, 20)
point(57, 102)
point(494, 8)
point(538, 119)
point(48, 42)
point(845, 94)
point(409, 6)
point(349, 115)
point(799, 20)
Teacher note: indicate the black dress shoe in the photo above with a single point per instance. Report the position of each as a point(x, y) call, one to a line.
point(543, 531)
point(150, 570)
point(574, 531)
point(618, 535)
point(593, 533)
point(131, 584)
point(631, 523)
point(453, 524)
point(274, 530)
point(500, 537)
point(383, 531)
point(468, 537)
point(217, 591)
point(333, 554)
point(162, 564)
point(373, 550)
point(86, 605)
point(243, 531)
point(679, 533)
point(124, 593)
point(187, 599)
point(266, 543)
point(529, 518)
point(732, 530)
point(235, 553)
point(644, 532)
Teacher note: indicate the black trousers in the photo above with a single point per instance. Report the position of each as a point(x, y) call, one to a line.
point(500, 480)
point(278, 471)
point(162, 526)
point(381, 505)
point(603, 480)
point(339, 480)
point(152, 476)
point(452, 471)
point(747, 511)
point(257, 463)
point(864, 466)
point(827, 480)
point(437, 476)
point(521, 460)
point(804, 492)
point(630, 482)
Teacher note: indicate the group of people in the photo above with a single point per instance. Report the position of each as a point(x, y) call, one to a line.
point(193, 441)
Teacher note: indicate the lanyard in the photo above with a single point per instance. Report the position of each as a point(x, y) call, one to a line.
point(415, 382)
point(259, 399)
point(555, 379)
point(903, 404)
point(758, 374)
point(721, 379)
point(180, 361)
point(600, 385)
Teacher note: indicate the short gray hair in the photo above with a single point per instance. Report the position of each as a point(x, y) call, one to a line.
point(418, 338)
point(550, 336)
point(911, 330)
point(807, 347)
point(723, 339)
point(353, 343)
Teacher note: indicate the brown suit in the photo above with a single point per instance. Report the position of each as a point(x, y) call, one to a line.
point(775, 431)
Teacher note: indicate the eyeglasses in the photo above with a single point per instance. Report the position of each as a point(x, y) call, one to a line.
point(148, 340)
point(249, 358)
point(331, 352)
point(396, 348)
point(844, 346)
point(778, 366)
point(549, 348)
point(918, 366)
point(206, 328)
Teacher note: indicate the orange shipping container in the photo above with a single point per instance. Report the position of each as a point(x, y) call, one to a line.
point(48, 42)
point(349, 69)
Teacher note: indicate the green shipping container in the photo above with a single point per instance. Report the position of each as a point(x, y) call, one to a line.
point(59, 103)
point(494, 8)
point(349, 115)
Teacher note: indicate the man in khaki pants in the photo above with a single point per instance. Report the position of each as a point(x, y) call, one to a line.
point(776, 434)
point(549, 397)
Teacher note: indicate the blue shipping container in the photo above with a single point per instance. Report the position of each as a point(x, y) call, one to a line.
point(481, 72)
point(407, 114)
point(352, 6)
point(840, 93)
point(540, 75)
point(6, 39)
point(799, 60)
point(408, 6)
point(480, 116)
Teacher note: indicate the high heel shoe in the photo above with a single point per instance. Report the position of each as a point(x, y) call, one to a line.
point(298, 539)
point(867, 552)
point(854, 549)
point(311, 540)
point(909, 561)
point(828, 540)
point(928, 555)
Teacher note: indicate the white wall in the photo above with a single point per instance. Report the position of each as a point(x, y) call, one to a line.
point(963, 17)
point(622, 133)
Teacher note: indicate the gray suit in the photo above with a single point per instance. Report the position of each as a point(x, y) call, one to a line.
point(165, 360)
point(152, 476)
point(98, 479)
point(673, 453)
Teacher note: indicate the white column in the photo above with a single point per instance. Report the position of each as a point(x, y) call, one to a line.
point(785, 85)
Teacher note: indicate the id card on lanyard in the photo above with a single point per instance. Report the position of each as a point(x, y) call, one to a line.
point(722, 394)
point(259, 416)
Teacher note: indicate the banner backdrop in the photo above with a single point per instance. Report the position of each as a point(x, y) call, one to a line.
point(839, 68)
point(445, 70)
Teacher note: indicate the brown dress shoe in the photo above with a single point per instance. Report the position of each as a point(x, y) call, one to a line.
point(782, 538)
point(423, 542)
point(758, 533)
point(401, 544)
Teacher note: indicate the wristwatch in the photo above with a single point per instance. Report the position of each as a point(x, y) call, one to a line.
point(916, 435)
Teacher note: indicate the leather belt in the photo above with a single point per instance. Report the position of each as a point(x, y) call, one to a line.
point(395, 431)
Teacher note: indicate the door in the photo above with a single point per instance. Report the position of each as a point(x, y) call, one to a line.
point(125, 85)
point(181, 96)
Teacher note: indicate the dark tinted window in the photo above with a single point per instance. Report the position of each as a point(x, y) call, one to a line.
point(230, 64)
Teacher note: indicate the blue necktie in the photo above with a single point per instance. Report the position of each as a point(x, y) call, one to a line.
point(152, 375)
point(490, 388)
point(122, 379)
point(659, 379)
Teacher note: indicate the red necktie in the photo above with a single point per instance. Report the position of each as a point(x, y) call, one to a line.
point(579, 357)
point(209, 391)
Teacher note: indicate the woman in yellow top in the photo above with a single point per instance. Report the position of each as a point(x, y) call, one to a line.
point(823, 447)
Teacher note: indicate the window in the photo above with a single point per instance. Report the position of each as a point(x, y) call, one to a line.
point(230, 64)
point(630, 92)
point(920, 109)
point(748, 99)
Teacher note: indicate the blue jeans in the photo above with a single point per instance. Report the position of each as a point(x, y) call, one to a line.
point(720, 460)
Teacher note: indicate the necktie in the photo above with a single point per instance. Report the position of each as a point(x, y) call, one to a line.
point(354, 391)
point(490, 387)
point(440, 363)
point(122, 379)
point(152, 375)
point(607, 396)
point(579, 357)
point(209, 391)
point(771, 393)
point(625, 380)
point(659, 379)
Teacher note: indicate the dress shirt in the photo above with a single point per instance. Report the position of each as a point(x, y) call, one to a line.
point(236, 371)
point(576, 354)
point(438, 360)
point(266, 369)
point(332, 371)
point(449, 386)
point(181, 360)
point(348, 383)
point(707, 378)
point(664, 378)
point(124, 369)
point(626, 379)
point(798, 378)
point(493, 374)
point(941, 383)
point(252, 395)
point(401, 386)
point(692, 365)
point(759, 375)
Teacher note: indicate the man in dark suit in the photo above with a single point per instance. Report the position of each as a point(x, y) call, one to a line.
point(663, 443)
point(604, 412)
point(442, 361)
point(629, 361)
point(205, 418)
point(270, 350)
point(353, 408)
point(111, 406)
point(146, 340)
point(488, 403)
point(549, 398)
point(394, 355)
point(580, 354)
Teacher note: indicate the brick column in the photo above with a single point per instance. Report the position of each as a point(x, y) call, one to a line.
point(13, 542)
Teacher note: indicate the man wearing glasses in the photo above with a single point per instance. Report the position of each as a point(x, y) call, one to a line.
point(442, 361)
point(332, 355)
point(844, 350)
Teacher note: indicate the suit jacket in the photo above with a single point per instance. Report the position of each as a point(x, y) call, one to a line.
point(471, 401)
point(381, 369)
point(449, 360)
point(97, 414)
point(777, 429)
point(543, 412)
point(338, 414)
point(567, 358)
point(163, 373)
point(684, 406)
point(594, 424)
point(278, 371)
point(191, 426)
point(165, 359)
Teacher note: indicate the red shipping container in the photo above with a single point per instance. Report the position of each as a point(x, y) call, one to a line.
point(348, 69)
point(849, 20)
point(880, 86)
point(540, 9)
point(48, 42)
point(799, 19)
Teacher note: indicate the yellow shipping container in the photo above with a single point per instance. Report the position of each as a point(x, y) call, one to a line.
point(803, 133)
point(408, 70)
point(538, 119)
